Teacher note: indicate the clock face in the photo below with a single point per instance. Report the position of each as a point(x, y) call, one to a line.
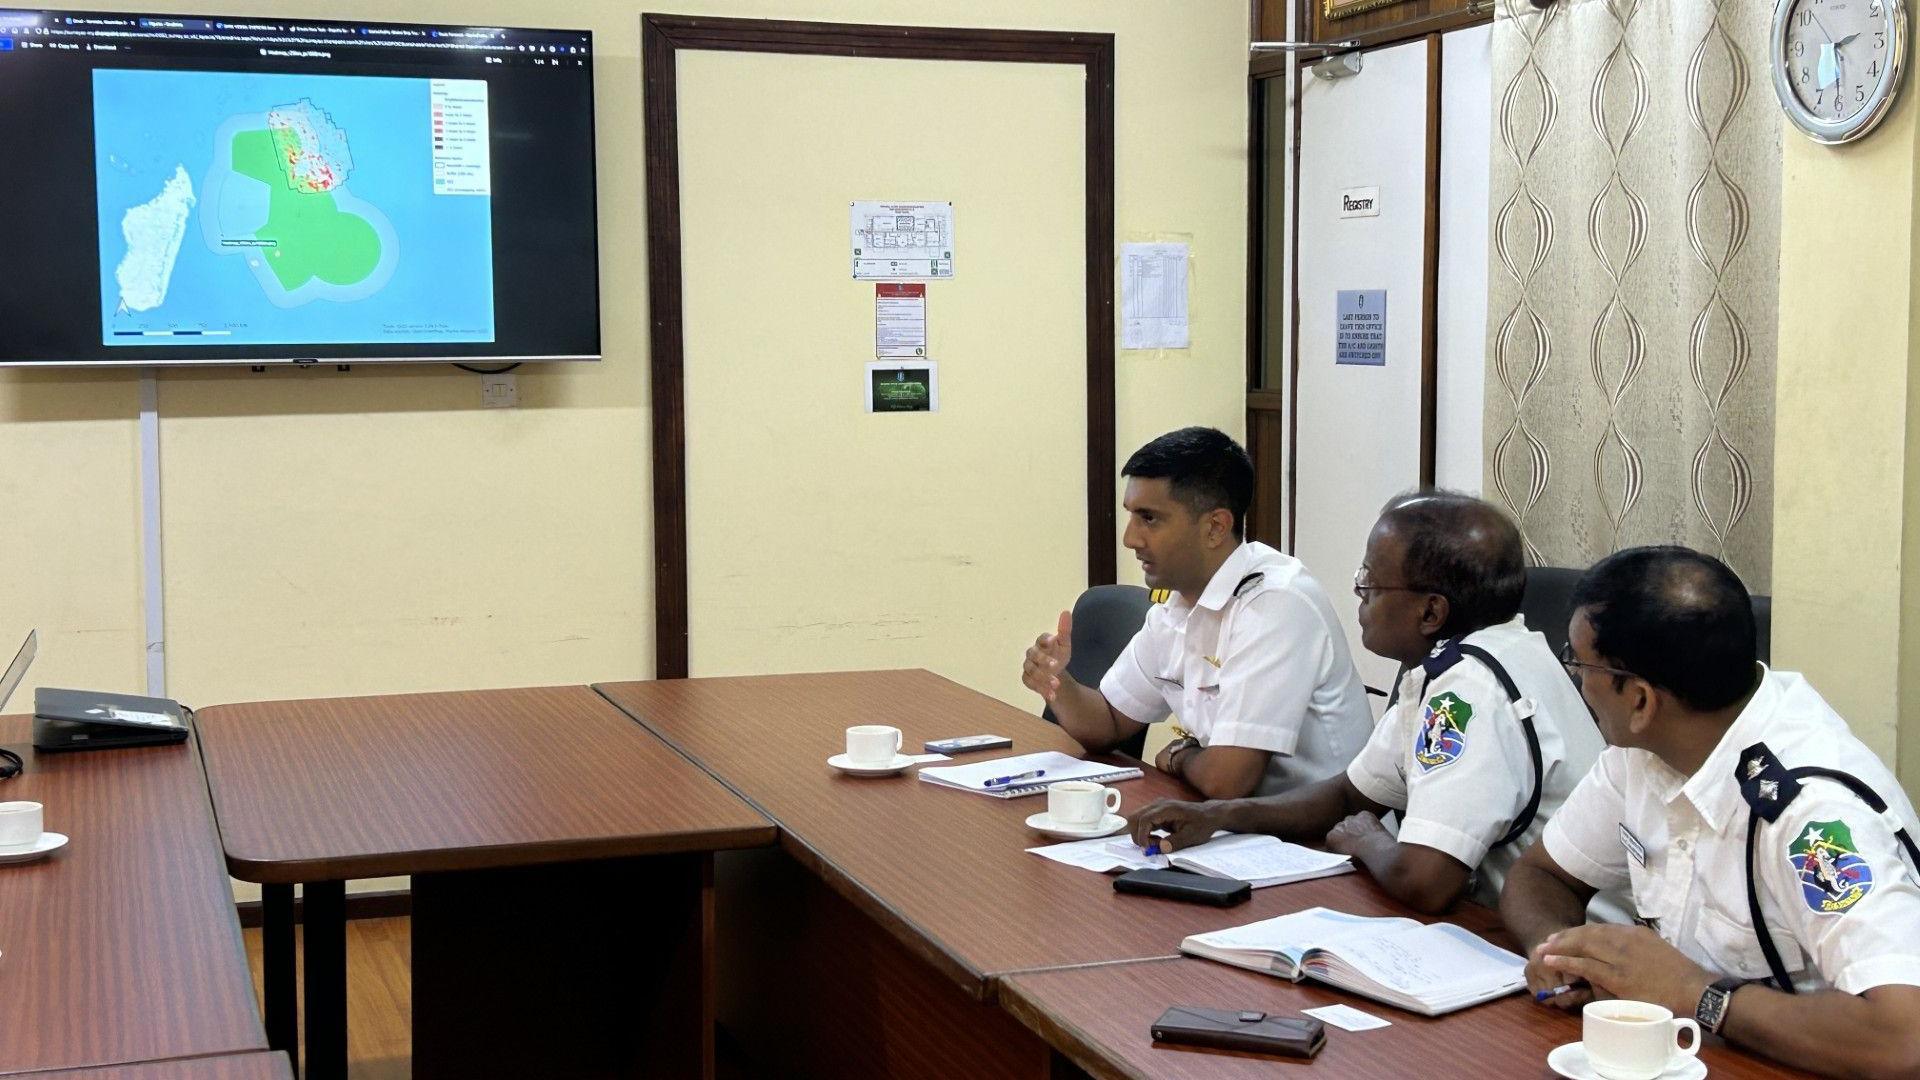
point(1837, 64)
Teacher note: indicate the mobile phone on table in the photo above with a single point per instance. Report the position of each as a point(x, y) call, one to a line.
point(1223, 1029)
point(1182, 885)
point(967, 744)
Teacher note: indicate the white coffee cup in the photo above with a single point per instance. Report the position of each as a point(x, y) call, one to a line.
point(1634, 1040)
point(872, 744)
point(1080, 802)
point(20, 824)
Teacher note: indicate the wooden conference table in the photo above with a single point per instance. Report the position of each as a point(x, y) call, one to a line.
point(123, 946)
point(226, 1067)
point(561, 861)
point(905, 930)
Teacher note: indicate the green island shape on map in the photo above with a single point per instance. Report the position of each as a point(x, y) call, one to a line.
point(313, 237)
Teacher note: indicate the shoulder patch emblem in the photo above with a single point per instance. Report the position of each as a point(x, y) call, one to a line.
point(1442, 735)
point(1833, 876)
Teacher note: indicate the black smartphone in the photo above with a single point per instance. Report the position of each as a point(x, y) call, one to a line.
point(1181, 885)
point(1292, 1036)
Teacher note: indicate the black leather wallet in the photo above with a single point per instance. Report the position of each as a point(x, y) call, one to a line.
point(1224, 1029)
point(1181, 885)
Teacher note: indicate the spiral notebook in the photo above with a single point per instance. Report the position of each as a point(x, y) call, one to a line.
point(1030, 774)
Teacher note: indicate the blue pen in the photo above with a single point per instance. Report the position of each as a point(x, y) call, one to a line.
point(1542, 995)
point(1152, 850)
point(1000, 780)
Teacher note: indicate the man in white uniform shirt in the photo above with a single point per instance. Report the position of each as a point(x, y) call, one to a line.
point(1484, 740)
point(1248, 654)
point(1706, 745)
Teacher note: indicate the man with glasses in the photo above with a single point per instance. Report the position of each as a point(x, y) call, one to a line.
point(1483, 740)
point(1728, 789)
point(1248, 654)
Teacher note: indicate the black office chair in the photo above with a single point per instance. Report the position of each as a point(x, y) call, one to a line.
point(1105, 618)
point(1545, 608)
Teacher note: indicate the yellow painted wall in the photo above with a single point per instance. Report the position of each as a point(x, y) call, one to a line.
point(1847, 435)
point(376, 531)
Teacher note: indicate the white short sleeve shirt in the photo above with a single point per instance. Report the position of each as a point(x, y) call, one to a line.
point(1451, 759)
point(1259, 661)
point(1838, 896)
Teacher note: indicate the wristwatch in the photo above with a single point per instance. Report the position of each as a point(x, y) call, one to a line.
point(1711, 1013)
point(1175, 748)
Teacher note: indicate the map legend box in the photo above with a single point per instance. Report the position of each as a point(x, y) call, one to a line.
point(461, 163)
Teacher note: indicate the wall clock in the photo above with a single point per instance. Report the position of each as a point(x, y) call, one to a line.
point(1837, 64)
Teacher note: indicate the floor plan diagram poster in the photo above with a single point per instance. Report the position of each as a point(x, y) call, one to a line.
point(902, 240)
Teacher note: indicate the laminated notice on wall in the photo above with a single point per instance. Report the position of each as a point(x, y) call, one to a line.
point(899, 320)
point(1360, 331)
point(902, 240)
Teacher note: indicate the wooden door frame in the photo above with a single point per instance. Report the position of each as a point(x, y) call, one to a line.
point(662, 37)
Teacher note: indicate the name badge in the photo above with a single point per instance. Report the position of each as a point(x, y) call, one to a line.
point(1636, 850)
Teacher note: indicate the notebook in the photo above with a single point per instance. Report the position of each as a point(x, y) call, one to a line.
point(1033, 772)
point(1429, 970)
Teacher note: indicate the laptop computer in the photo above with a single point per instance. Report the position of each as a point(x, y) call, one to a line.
point(95, 720)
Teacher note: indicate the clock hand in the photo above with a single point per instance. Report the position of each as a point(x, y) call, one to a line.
point(1824, 32)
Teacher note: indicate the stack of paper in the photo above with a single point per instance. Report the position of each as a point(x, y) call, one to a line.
point(1253, 858)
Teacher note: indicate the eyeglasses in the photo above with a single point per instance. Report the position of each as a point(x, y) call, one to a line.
point(1573, 666)
point(1362, 586)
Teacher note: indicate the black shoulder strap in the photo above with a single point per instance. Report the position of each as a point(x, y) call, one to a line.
point(1769, 787)
point(1248, 580)
point(1526, 817)
point(1445, 655)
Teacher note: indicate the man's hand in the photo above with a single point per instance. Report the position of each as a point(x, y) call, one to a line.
point(1353, 834)
point(1625, 962)
point(1540, 977)
point(1187, 825)
point(1046, 662)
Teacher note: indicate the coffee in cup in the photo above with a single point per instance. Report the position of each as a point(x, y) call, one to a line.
point(872, 744)
point(20, 824)
point(1634, 1040)
point(1080, 802)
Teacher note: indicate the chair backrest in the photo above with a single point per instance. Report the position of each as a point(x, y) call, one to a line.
point(1544, 606)
point(1550, 593)
point(1105, 618)
point(1763, 627)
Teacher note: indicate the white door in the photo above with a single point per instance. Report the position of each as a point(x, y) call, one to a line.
point(1362, 136)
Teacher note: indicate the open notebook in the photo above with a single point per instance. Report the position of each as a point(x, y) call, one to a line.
point(1425, 969)
point(1034, 773)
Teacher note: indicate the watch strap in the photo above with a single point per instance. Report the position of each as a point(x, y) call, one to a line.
point(1711, 1013)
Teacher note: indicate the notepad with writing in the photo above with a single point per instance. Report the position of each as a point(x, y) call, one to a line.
point(1031, 772)
point(1429, 970)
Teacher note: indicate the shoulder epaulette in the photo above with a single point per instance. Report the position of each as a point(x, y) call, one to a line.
point(1764, 782)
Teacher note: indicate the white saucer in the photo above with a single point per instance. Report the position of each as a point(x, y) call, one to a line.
point(841, 762)
point(1106, 826)
point(1570, 1060)
point(48, 842)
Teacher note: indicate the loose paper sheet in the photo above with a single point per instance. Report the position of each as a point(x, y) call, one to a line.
point(1153, 296)
point(1347, 1017)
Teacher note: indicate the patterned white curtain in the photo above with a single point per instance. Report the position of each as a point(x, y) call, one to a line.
point(1634, 278)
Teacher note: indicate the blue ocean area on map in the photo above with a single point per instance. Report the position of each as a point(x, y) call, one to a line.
point(354, 248)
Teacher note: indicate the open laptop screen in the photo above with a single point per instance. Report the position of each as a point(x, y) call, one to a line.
point(17, 670)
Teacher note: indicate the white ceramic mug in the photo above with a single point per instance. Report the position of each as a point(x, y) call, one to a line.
point(1634, 1040)
point(20, 824)
point(1080, 802)
point(872, 744)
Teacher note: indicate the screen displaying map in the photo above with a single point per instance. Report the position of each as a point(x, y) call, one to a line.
point(253, 208)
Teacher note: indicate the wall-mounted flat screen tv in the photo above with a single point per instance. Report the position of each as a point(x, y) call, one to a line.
point(253, 190)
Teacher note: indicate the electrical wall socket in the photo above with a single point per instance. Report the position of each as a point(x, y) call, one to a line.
point(499, 391)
